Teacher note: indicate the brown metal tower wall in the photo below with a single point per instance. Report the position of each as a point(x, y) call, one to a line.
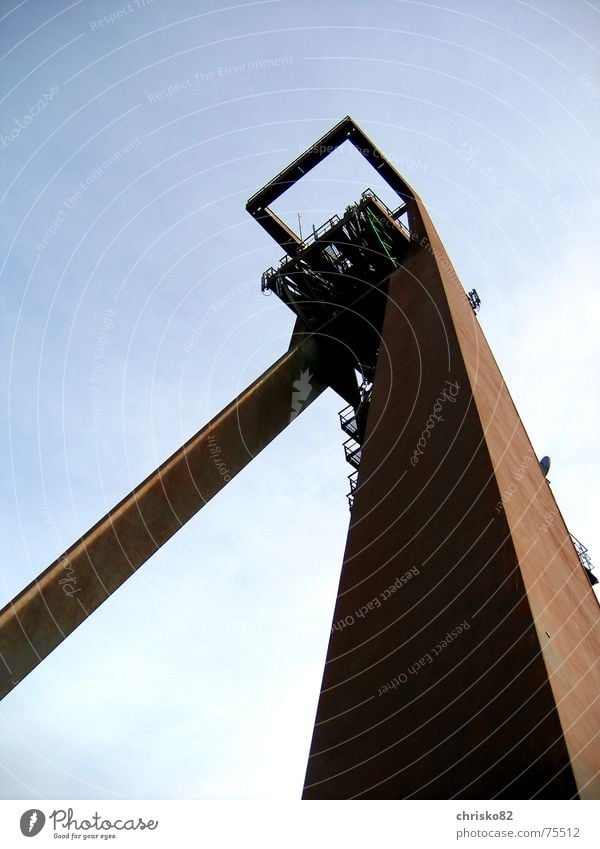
point(463, 656)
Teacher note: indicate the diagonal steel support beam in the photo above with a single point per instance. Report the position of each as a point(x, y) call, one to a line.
point(70, 589)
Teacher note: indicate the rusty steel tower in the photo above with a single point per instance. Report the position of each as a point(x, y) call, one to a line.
point(463, 654)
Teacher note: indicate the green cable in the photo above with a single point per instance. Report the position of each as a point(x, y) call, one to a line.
point(375, 225)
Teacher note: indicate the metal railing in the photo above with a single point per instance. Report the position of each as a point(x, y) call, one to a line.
point(352, 449)
point(348, 421)
point(334, 221)
point(585, 559)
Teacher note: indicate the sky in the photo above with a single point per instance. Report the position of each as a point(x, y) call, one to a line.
point(131, 136)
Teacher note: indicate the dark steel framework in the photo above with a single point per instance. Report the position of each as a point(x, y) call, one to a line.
point(328, 281)
point(345, 130)
point(337, 282)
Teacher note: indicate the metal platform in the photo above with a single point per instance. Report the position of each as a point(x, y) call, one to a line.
point(335, 280)
point(338, 277)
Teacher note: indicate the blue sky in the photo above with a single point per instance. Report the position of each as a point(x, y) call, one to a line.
point(131, 136)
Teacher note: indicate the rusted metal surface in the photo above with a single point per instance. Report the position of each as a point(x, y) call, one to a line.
point(563, 607)
point(463, 655)
point(72, 587)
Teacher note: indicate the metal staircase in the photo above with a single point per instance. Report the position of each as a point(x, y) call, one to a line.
point(353, 424)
